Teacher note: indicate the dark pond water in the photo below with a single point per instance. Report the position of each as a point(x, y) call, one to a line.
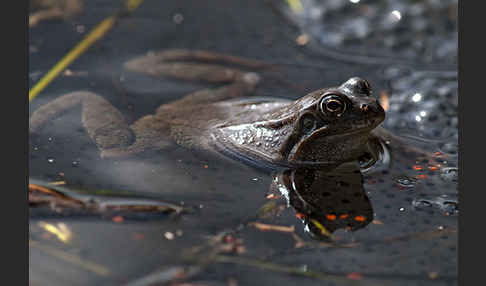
point(201, 220)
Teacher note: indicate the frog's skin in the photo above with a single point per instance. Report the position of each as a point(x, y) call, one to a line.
point(325, 127)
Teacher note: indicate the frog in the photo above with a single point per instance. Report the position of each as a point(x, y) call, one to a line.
point(323, 128)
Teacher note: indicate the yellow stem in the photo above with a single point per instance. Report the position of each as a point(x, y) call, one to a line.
point(99, 31)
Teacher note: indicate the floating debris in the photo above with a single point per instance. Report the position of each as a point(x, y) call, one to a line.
point(60, 230)
point(169, 235)
point(302, 39)
point(269, 227)
point(61, 199)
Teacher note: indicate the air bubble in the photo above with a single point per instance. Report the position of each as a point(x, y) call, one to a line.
point(178, 18)
point(405, 181)
point(447, 204)
point(449, 174)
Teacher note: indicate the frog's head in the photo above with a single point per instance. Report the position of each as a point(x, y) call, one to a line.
point(333, 124)
point(326, 127)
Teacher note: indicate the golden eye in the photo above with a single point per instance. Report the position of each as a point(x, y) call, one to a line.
point(333, 104)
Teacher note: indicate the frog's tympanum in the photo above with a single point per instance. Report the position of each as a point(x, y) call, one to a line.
point(323, 128)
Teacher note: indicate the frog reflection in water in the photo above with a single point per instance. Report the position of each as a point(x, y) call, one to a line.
point(322, 129)
point(325, 200)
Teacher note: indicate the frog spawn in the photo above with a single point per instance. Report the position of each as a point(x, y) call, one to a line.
point(381, 30)
point(432, 102)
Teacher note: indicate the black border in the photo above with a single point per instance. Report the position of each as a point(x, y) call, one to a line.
point(471, 110)
point(15, 87)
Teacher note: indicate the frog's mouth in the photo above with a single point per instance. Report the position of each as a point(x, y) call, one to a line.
point(351, 131)
point(324, 147)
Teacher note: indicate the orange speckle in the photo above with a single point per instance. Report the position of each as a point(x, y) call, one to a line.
point(422, 176)
point(343, 216)
point(206, 166)
point(384, 101)
point(240, 249)
point(375, 221)
point(417, 168)
point(433, 168)
point(272, 197)
point(138, 236)
point(331, 216)
point(437, 153)
point(300, 215)
point(118, 219)
point(355, 276)
point(359, 218)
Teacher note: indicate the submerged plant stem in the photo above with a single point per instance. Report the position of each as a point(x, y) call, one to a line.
point(97, 33)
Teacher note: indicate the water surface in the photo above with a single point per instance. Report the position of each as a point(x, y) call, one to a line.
point(409, 235)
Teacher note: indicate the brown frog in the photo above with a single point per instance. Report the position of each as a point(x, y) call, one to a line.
point(323, 128)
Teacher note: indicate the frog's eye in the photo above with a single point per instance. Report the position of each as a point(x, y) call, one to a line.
point(333, 104)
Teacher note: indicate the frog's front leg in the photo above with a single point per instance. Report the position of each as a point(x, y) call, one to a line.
point(201, 66)
point(104, 123)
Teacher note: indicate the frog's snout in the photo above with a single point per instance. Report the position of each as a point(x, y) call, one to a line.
point(372, 110)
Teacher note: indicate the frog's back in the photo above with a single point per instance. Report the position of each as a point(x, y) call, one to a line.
point(190, 125)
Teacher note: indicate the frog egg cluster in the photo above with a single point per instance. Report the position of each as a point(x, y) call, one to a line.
point(423, 102)
point(423, 30)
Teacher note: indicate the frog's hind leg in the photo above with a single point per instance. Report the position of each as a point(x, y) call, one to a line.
point(151, 133)
point(201, 66)
point(104, 124)
point(193, 65)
